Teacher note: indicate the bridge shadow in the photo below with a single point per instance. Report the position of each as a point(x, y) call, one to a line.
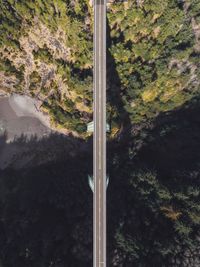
point(120, 144)
point(117, 148)
point(114, 94)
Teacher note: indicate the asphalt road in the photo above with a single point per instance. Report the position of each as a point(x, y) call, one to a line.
point(99, 208)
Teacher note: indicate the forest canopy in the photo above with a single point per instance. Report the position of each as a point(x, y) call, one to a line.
point(153, 107)
point(46, 51)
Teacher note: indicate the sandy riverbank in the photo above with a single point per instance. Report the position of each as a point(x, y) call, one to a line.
point(19, 115)
point(29, 107)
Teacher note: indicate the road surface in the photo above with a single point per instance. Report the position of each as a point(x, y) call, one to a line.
point(99, 208)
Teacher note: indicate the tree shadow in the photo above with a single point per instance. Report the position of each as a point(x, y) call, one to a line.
point(174, 141)
point(170, 150)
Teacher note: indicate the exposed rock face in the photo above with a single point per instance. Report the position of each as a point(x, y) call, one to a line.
point(40, 36)
point(140, 3)
point(184, 66)
point(196, 29)
point(42, 66)
point(194, 23)
point(7, 83)
point(37, 37)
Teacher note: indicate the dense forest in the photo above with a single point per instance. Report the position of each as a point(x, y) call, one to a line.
point(153, 95)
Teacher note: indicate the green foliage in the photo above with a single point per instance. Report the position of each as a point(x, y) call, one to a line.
point(35, 81)
point(194, 8)
point(147, 37)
